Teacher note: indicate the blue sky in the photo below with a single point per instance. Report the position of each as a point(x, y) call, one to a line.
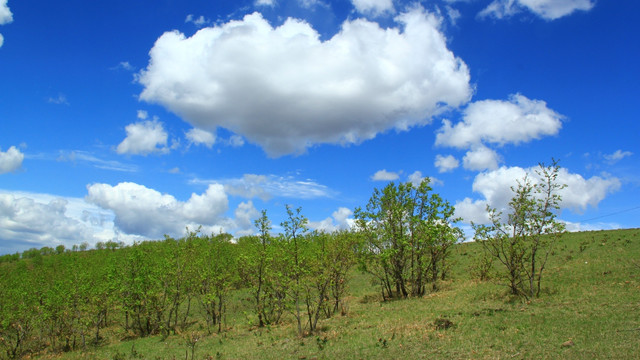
point(127, 120)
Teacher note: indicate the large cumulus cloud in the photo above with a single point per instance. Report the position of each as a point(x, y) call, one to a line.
point(286, 89)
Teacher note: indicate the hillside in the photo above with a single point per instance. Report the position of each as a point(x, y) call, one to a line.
point(589, 308)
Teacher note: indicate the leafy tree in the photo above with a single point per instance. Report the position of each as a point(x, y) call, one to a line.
point(18, 308)
point(216, 273)
point(295, 227)
point(407, 233)
point(60, 249)
point(257, 271)
point(523, 240)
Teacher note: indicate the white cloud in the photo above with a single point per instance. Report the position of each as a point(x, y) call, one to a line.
point(10, 160)
point(198, 137)
point(579, 194)
point(199, 22)
point(416, 178)
point(5, 13)
point(384, 175)
point(271, 3)
point(5, 17)
point(61, 99)
point(249, 186)
point(374, 7)
point(142, 114)
point(472, 211)
point(495, 187)
point(266, 187)
point(235, 141)
point(146, 212)
point(245, 214)
point(340, 220)
point(480, 158)
point(501, 122)
point(310, 4)
point(144, 138)
point(546, 9)
point(86, 157)
point(575, 227)
point(36, 220)
point(617, 156)
point(285, 89)
point(446, 163)
point(123, 65)
point(453, 15)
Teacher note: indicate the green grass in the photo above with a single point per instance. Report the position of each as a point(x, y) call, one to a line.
point(591, 297)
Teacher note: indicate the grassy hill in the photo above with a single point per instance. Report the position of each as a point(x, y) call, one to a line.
point(589, 309)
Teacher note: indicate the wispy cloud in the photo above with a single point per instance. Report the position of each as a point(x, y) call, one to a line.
point(61, 99)
point(79, 156)
point(197, 21)
point(266, 187)
point(124, 65)
point(617, 156)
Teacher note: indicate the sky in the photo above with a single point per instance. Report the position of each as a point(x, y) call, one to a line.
point(131, 120)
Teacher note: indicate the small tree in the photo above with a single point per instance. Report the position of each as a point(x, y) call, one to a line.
point(295, 228)
point(524, 240)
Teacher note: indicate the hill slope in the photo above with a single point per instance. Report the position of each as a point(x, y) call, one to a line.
point(589, 308)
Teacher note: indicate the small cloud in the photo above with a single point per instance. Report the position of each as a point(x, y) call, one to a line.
point(143, 115)
point(201, 137)
point(175, 170)
point(617, 156)
point(374, 7)
point(11, 160)
point(310, 4)
point(384, 175)
point(514, 121)
point(235, 141)
point(546, 9)
point(339, 220)
point(199, 22)
point(271, 3)
point(453, 15)
point(124, 65)
point(144, 138)
point(480, 158)
point(61, 99)
point(416, 178)
point(446, 163)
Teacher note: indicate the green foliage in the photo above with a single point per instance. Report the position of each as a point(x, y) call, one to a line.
point(524, 241)
point(605, 277)
point(407, 234)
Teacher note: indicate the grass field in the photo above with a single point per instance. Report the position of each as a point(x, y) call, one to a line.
point(589, 309)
